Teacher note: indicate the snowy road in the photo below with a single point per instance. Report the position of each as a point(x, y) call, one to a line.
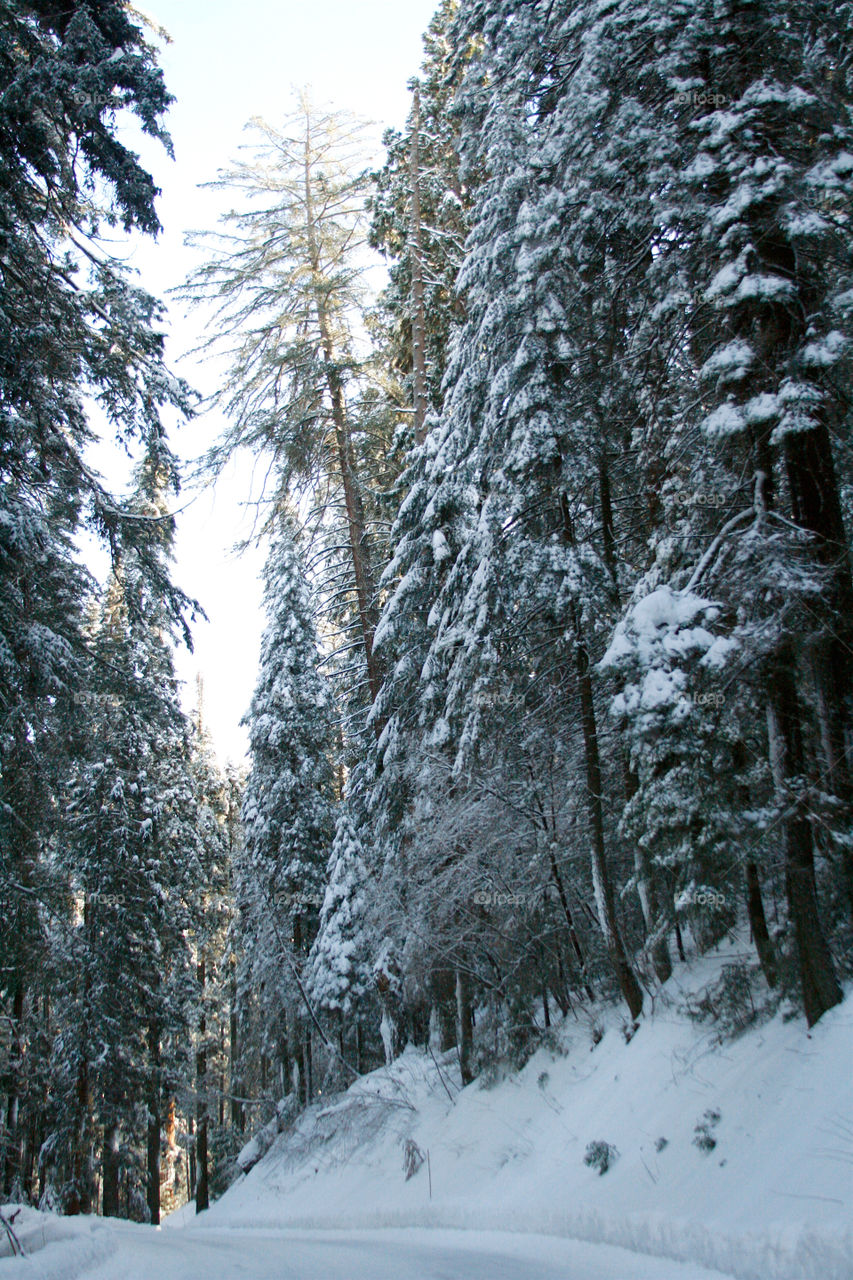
point(139, 1253)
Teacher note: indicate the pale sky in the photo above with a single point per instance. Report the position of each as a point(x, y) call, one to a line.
point(228, 62)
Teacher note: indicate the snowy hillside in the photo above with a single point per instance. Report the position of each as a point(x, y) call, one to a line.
point(763, 1192)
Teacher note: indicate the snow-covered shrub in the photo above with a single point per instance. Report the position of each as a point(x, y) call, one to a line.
point(703, 1136)
point(601, 1156)
point(730, 1002)
point(413, 1158)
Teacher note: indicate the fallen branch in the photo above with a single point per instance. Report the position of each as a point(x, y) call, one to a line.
point(17, 1247)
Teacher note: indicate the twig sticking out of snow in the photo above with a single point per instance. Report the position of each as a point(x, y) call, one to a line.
point(17, 1247)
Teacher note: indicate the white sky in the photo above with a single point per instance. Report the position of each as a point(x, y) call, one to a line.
point(226, 63)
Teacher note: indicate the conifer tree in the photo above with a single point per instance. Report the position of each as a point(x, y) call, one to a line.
point(287, 811)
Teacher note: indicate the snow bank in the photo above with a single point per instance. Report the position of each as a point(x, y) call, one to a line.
point(55, 1248)
point(769, 1198)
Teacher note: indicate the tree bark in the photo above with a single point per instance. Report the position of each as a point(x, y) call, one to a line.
point(758, 924)
point(816, 506)
point(819, 984)
point(11, 1154)
point(648, 886)
point(110, 1167)
point(443, 994)
point(356, 523)
point(602, 884)
point(202, 1195)
point(154, 1122)
point(80, 1199)
point(416, 259)
point(234, 1083)
point(570, 925)
point(465, 1026)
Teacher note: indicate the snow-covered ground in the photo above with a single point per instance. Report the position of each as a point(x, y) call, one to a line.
point(769, 1196)
point(120, 1251)
point(773, 1199)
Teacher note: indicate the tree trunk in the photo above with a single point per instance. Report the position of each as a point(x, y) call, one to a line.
point(234, 1083)
point(153, 1164)
point(570, 925)
point(465, 1026)
point(416, 259)
point(816, 506)
point(80, 1199)
point(11, 1154)
point(308, 1060)
point(356, 523)
point(758, 925)
point(444, 1003)
point(359, 1047)
point(648, 891)
point(32, 1145)
point(191, 1156)
point(601, 881)
point(110, 1167)
point(202, 1196)
point(820, 987)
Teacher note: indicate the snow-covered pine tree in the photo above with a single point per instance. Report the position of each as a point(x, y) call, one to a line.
point(287, 814)
point(287, 282)
point(531, 452)
point(747, 165)
point(74, 324)
point(132, 852)
point(419, 222)
point(212, 918)
point(340, 973)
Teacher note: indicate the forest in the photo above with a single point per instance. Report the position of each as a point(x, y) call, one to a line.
point(556, 686)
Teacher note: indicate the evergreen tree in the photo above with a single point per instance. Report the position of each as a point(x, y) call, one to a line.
point(340, 965)
point(74, 328)
point(132, 854)
point(287, 811)
point(287, 282)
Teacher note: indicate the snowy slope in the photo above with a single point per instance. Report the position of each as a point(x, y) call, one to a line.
point(773, 1199)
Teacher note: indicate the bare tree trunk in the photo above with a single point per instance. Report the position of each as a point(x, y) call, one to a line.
point(601, 881)
point(758, 925)
point(168, 1194)
point(602, 884)
point(32, 1144)
point(416, 259)
point(570, 925)
point(357, 525)
point(11, 1143)
point(816, 505)
point(648, 891)
point(80, 1199)
point(234, 1083)
point(81, 1171)
point(202, 1196)
point(465, 1025)
point(359, 1047)
point(820, 987)
point(154, 1122)
point(444, 1003)
point(110, 1166)
point(192, 1161)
